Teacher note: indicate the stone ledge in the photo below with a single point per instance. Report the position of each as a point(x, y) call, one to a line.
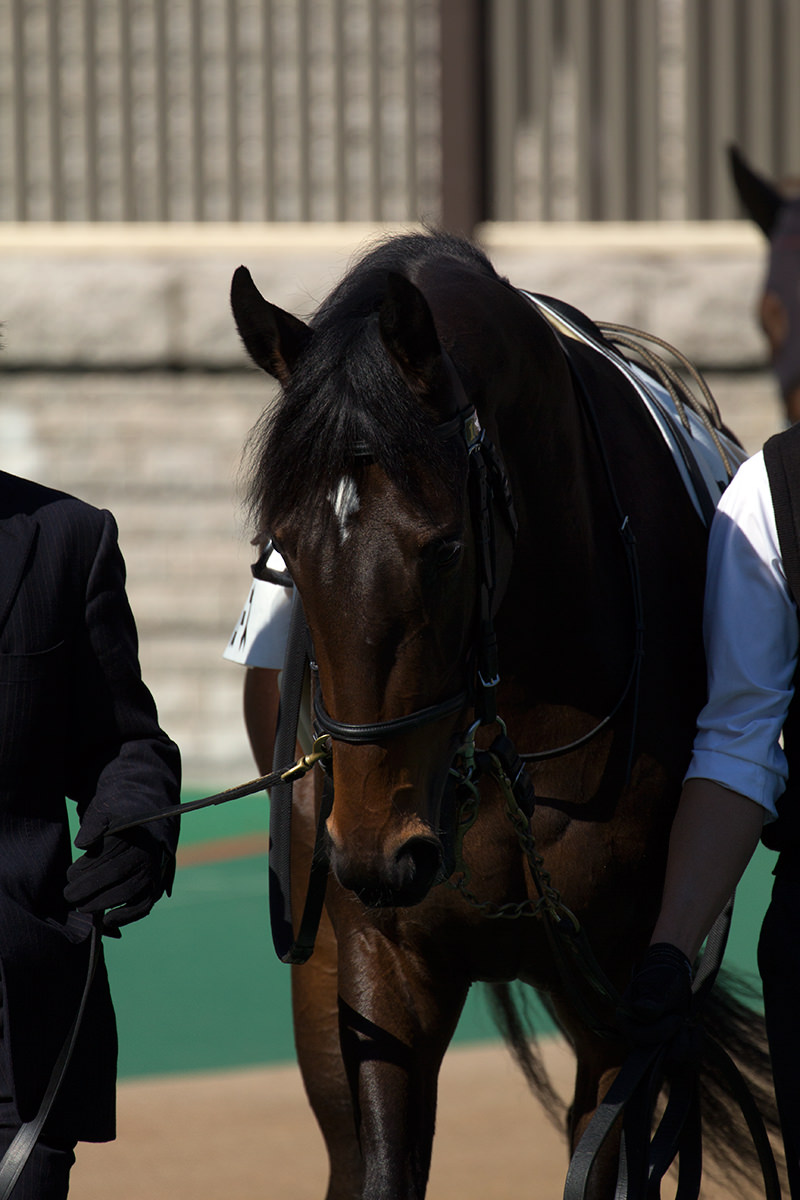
point(180, 238)
point(657, 238)
point(144, 296)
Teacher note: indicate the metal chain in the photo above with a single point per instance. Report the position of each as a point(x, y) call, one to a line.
point(573, 954)
point(549, 901)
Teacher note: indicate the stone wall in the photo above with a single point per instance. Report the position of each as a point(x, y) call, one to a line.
point(119, 296)
point(123, 381)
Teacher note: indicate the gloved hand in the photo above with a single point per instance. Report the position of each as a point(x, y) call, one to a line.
point(656, 1002)
point(119, 875)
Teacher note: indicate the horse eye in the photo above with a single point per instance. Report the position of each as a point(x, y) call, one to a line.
point(448, 554)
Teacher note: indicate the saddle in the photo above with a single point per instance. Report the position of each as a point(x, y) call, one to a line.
point(705, 454)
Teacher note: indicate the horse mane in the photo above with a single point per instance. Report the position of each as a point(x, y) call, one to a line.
point(345, 390)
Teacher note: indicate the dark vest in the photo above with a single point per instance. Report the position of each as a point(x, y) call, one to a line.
point(782, 460)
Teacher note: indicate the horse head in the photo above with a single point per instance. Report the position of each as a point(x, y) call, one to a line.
point(776, 211)
point(363, 485)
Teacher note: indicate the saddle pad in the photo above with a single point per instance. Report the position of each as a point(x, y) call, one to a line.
point(694, 451)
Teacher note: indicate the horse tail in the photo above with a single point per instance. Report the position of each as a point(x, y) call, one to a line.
point(510, 1012)
point(731, 1017)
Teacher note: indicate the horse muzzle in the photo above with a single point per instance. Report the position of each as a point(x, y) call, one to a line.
point(396, 878)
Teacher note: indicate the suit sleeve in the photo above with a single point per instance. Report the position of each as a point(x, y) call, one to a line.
point(123, 764)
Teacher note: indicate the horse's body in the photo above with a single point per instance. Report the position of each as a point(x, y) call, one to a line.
point(367, 498)
point(776, 211)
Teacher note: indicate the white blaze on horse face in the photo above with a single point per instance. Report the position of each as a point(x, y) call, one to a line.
point(345, 503)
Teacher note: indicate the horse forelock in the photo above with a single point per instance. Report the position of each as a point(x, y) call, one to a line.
point(346, 395)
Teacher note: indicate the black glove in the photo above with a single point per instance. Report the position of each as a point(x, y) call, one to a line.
point(120, 875)
point(656, 1002)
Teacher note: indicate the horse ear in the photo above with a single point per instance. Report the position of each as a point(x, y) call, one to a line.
point(409, 336)
point(274, 339)
point(761, 199)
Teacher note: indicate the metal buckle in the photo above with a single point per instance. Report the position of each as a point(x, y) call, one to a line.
point(473, 431)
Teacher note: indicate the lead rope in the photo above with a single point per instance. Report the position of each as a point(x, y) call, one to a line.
point(18, 1153)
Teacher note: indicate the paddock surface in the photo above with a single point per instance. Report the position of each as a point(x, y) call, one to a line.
point(249, 1134)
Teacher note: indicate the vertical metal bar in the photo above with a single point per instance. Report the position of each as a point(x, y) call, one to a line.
point(197, 90)
point(304, 108)
point(581, 41)
point(411, 204)
point(540, 59)
point(128, 199)
point(644, 165)
point(760, 63)
point(54, 110)
point(340, 100)
point(90, 109)
point(789, 99)
point(267, 110)
point(724, 73)
point(376, 112)
point(697, 109)
point(6, 124)
point(503, 114)
point(463, 84)
point(20, 110)
point(613, 129)
point(161, 114)
point(231, 74)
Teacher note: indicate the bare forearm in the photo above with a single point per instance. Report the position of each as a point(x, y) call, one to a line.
point(713, 838)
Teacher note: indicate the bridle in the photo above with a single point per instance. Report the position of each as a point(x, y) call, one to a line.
point(488, 486)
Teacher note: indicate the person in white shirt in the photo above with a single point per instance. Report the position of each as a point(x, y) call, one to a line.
point(735, 790)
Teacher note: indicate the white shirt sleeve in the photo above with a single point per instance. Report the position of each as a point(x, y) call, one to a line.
point(262, 631)
point(750, 629)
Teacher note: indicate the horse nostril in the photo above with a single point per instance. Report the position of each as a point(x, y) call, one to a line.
point(417, 864)
point(400, 880)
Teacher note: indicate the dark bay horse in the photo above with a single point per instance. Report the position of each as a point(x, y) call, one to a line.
point(406, 555)
point(776, 211)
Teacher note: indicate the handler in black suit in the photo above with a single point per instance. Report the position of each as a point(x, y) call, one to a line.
point(76, 721)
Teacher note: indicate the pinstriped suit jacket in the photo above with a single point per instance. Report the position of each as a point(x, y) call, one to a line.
point(77, 721)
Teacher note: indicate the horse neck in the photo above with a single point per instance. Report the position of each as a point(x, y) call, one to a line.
point(547, 438)
point(569, 576)
point(514, 367)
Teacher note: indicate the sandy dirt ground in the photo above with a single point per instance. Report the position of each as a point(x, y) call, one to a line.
point(250, 1135)
point(244, 1135)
